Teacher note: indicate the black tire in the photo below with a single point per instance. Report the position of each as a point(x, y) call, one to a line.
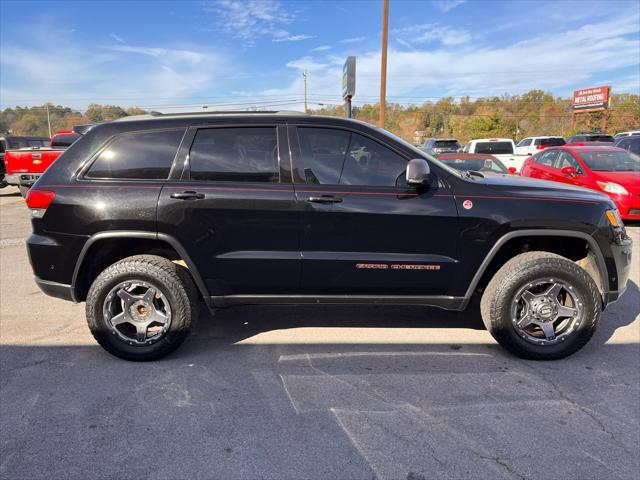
point(175, 284)
point(516, 274)
point(23, 190)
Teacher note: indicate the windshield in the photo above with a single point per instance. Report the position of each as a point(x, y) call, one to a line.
point(611, 161)
point(550, 142)
point(494, 147)
point(477, 164)
point(600, 138)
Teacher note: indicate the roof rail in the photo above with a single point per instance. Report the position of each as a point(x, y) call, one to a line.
point(155, 113)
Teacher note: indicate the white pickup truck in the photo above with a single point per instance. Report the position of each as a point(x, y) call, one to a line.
point(502, 148)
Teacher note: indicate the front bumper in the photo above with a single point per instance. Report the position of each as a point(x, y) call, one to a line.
point(628, 206)
point(621, 254)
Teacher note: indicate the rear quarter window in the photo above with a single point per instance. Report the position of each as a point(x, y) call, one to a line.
point(137, 156)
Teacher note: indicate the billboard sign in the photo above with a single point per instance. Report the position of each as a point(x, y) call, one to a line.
point(591, 98)
point(349, 78)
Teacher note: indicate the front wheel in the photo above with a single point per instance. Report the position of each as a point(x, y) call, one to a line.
point(142, 307)
point(541, 306)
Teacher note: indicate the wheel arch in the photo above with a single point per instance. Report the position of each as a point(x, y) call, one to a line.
point(79, 287)
point(502, 242)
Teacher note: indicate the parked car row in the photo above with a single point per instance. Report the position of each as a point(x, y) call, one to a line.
point(513, 156)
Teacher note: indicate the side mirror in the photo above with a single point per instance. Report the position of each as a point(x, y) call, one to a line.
point(568, 171)
point(418, 172)
point(513, 170)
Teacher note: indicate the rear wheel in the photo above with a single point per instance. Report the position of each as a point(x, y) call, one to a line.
point(142, 307)
point(541, 306)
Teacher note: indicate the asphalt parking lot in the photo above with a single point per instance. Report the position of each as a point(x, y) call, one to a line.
point(308, 392)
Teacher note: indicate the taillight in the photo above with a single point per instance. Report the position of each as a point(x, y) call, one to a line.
point(540, 147)
point(38, 201)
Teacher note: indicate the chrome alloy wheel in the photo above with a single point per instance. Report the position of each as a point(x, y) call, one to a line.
point(546, 311)
point(137, 312)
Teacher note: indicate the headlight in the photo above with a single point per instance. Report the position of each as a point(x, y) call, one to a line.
point(611, 187)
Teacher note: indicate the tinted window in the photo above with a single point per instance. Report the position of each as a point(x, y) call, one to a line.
point(235, 155)
point(144, 155)
point(447, 144)
point(370, 163)
point(601, 138)
point(340, 157)
point(496, 148)
point(64, 139)
point(551, 142)
point(611, 161)
point(1, 146)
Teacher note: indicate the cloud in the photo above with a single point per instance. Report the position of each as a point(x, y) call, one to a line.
point(119, 74)
point(321, 48)
point(427, 32)
point(117, 38)
point(446, 5)
point(251, 19)
point(353, 40)
point(556, 62)
point(292, 38)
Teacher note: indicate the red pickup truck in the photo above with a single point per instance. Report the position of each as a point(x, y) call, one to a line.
point(25, 165)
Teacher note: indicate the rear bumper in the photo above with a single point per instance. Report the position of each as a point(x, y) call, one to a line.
point(24, 179)
point(55, 289)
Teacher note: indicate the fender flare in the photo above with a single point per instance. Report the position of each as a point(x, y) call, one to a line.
point(593, 246)
point(134, 234)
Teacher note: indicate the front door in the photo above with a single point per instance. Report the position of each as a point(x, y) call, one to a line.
point(233, 209)
point(364, 231)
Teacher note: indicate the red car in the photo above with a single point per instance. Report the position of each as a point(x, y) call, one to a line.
point(611, 170)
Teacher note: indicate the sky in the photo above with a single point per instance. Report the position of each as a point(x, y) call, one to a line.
point(237, 54)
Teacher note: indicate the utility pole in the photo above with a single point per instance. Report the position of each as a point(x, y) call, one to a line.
point(304, 76)
point(48, 120)
point(383, 66)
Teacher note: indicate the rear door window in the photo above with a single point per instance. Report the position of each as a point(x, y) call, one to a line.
point(137, 156)
point(244, 154)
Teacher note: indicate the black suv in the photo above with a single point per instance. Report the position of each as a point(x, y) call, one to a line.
point(145, 216)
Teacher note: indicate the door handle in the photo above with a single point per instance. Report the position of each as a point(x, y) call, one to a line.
point(324, 199)
point(188, 195)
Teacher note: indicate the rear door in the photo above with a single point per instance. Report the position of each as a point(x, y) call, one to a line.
point(232, 208)
point(364, 231)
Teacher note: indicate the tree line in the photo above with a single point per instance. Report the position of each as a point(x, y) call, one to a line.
point(533, 113)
